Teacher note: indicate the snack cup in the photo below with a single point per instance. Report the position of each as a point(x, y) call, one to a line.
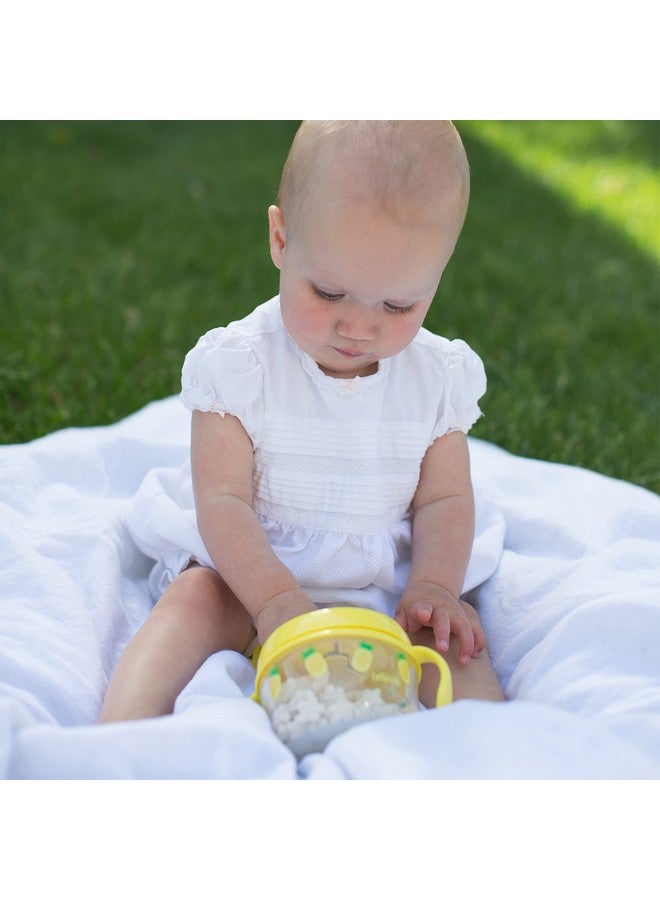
point(324, 671)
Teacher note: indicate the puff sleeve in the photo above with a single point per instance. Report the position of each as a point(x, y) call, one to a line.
point(464, 383)
point(222, 374)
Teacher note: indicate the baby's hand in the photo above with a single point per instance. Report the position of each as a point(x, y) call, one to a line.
point(280, 609)
point(427, 605)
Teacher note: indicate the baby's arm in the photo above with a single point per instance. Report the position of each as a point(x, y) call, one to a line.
point(443, 531)
point(222, 463)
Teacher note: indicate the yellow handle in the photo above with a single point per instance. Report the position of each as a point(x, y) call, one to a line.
point(426, 655)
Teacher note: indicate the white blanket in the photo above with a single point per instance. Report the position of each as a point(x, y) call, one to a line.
point(572, 616)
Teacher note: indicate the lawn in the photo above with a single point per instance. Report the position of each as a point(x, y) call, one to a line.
point(122, 242)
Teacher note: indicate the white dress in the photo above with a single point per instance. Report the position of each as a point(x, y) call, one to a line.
point(336, 461)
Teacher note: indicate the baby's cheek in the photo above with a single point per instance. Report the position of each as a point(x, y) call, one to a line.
point(400, 334)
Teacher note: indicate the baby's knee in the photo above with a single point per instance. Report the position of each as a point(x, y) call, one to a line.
point(198, 591)
point(200, 578)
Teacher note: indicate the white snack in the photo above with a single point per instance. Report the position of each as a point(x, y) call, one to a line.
point(307, 703)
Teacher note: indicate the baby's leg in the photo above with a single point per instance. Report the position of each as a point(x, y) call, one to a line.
point(474, 680)
point(196, 616)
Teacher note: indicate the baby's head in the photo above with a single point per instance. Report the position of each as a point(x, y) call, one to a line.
point(414, 171)
point(368, 217)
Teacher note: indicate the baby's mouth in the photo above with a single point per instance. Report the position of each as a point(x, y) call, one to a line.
point(351, 354)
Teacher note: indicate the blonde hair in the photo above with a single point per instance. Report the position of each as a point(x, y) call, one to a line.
point(412, 169)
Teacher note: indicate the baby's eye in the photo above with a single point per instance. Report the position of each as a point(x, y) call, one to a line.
point(325, 295)
point(390, 307)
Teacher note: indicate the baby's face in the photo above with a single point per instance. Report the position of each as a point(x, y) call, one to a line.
point(355, 284)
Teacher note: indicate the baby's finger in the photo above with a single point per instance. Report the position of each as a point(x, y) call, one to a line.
point(462, 628)
point(477, 630)
point(401, 618)
point(418, 615)
point(479, 638)
point(441, 628)
point(421, 611)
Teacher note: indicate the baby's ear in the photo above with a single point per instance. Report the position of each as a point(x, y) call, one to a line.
point(277, 235)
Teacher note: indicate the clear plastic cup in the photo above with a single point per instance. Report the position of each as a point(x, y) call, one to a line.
point(325, 671)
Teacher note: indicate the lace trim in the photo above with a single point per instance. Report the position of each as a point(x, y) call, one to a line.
point(359, 386)
point(459, 426)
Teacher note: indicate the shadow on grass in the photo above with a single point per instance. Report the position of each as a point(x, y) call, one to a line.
point(564, 310)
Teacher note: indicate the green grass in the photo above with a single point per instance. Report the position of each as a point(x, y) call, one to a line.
point(122, 242)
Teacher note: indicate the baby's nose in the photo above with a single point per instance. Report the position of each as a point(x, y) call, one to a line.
point(356, 324)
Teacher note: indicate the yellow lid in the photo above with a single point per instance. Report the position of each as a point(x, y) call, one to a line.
point(340, 620)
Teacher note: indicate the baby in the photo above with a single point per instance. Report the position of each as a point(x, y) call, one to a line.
point(329, 460)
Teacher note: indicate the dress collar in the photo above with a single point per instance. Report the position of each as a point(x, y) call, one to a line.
point(360, 385)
